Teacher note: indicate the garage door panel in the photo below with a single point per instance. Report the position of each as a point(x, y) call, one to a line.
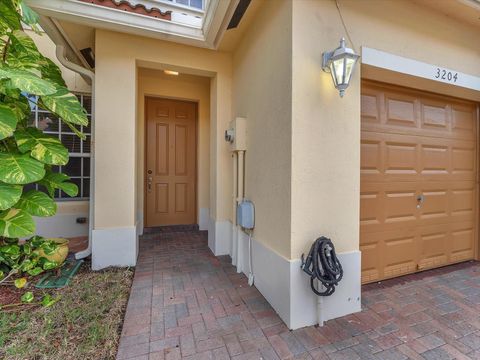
point(399, 255)
point(435, 204)
point(370, 202)
point(462, 242)
point(401, 111)
point(433, 247)
point(435, 159)
point(435, 116)
point(370, 158)
point(463, 160)
point(463, 122)
point(418, 181)
point(400, 206)
point(387, 206)
point(400, 158)
point(370, 108)
point(463, 201)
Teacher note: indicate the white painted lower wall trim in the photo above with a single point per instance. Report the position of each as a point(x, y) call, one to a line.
point(287, 288)
point(220, 237)
point(203, 218)
point(61, 225)
point(346, 299)
point(114, 247)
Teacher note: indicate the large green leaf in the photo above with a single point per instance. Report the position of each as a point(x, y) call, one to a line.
point(44, 148)
point(50, 71)
point(10, 18)
point(26, 81)
point(20, 107)
point(8, 121)
point(9, 195)
point(16, 223)
point(20, 169)
point(37, 203)
point(53, 181)
point(66, 105)
point(22, 52)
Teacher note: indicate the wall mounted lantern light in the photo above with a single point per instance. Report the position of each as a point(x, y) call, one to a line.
point(340, 63)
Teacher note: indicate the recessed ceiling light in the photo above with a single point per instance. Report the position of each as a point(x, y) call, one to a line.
point(170, 72)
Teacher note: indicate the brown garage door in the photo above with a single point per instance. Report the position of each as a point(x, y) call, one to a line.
point(418, 181)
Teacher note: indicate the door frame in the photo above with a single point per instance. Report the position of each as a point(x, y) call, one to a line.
point(476, 245)
point(145, 127)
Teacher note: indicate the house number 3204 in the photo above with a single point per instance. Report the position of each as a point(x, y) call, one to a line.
point(446, 75)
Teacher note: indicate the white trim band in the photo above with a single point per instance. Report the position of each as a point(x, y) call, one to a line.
point(420, 69)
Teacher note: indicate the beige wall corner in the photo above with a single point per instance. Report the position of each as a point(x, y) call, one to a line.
point(325, 136)
point(262, 93)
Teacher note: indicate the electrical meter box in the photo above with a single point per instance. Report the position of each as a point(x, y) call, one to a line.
point(246, 214)
point(236, 134)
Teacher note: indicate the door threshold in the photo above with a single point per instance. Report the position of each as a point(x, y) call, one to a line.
point(171, 228)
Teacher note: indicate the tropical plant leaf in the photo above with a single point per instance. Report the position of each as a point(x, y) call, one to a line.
point(16, 223)
point(66, 105)
point(8, 121)
point(9, 195)
point(44, 148)
point(48, 301)
point(27, 297)
point(20, 283)
point(26, 81)
point(10, 18)
point(49, 265)
point(20, 169)
point(50, 71)
point(53, 181)
point(22, 52)
point(11, 249)
point(20, 107)
point(76, 131)
point(35, 271)
point(37, 203)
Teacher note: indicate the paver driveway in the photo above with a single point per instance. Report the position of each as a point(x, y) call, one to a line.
point(187, 303)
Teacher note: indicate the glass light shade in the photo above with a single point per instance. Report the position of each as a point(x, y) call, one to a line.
point(340, 63)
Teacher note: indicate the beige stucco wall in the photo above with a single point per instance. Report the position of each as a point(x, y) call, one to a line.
point(326, 128)
point(118, 58)
point(183, 87)
point(262, 93)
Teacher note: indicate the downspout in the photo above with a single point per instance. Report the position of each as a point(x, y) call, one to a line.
point(60, 52)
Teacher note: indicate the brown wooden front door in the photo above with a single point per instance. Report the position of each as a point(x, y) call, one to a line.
point(170, 171)
point(418, 181)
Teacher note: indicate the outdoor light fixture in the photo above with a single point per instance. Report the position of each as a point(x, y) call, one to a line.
point(340, 64)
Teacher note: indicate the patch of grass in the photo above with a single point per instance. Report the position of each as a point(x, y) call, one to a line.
point(84, 324)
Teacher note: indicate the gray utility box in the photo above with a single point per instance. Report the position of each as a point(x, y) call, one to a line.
point(246, 214)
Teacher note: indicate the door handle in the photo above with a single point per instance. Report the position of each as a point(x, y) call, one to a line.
point(420, 200)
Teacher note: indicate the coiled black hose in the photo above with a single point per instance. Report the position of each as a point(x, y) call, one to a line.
point(322, 264)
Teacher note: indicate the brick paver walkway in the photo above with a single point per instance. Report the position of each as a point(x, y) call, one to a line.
point(187, 303)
